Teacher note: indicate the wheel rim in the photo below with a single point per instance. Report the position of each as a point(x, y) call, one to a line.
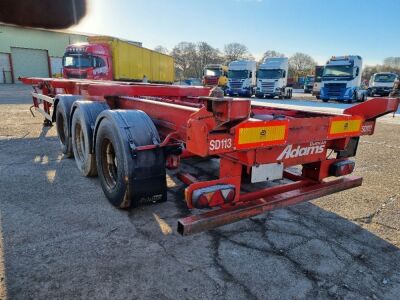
point(80, 142)
point(61, 128)
point(109, 163)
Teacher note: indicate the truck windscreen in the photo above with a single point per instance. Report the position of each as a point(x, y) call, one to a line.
point(77, 61)
point(385, 78)
point(318, 73)
point(212, 72)
point(340, 71)
point(269, 74)
point(309, 80)
point(238, 74)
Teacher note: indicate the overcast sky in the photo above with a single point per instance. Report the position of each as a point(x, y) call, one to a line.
point(323, 28)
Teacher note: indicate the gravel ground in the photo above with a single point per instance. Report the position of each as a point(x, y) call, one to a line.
point(60, 238)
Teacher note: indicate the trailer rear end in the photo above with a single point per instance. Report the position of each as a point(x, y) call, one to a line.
point(129, 134)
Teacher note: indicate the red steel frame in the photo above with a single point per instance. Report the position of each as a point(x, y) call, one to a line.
point(186, 115)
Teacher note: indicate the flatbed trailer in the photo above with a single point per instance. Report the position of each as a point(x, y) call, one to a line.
point(129, 133)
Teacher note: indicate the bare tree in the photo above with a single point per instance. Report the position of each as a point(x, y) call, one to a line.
point(301, 64)
point(207, 55)
point(271, 53)
point(392, 62)
point(368, 71)
point(185, 55)
point(161, 49)
point(236, 51)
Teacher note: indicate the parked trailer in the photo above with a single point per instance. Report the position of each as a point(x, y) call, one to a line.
point(129, 133)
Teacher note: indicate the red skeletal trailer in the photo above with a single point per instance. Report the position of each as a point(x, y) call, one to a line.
point(129, 133)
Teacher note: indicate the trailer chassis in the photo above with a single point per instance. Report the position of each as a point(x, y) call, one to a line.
point(253, 143)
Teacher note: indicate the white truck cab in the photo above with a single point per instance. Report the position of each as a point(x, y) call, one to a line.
point(272, 77)
point(382, 83)
point(241, 78)
point(319, 70)
point(341, 79)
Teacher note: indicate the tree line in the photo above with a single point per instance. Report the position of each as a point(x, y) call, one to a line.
point(390, 64)
point(191, 58)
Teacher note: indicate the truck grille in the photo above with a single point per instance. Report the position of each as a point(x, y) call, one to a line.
point(236, 84)
point(335, 89)
point(267, 87)
point(211, 80)
point(79, 76)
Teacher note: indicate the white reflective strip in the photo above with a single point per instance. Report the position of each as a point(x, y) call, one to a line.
point(45, 114)
point(43, 97)
point(225, 193)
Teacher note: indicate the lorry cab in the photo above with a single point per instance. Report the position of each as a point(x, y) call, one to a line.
point(308, 83)
point(382, 83)
point(272, 78)
point(317, 81)
point(341, 79)
point(241, 78)
point(215, 75)
point(87, 61)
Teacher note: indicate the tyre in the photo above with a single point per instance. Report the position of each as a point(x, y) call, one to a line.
point(325, 100)
point(62, 118)
point(353, 98)
point(129, 178)
point(259, 96)
point(364, 97)
point(83, 120)
point(290, 94)
point(85, 161)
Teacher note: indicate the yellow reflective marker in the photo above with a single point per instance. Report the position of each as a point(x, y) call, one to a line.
point(261, 133)
point(345, 127)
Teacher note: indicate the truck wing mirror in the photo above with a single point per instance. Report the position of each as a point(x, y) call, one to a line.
point(284, 74)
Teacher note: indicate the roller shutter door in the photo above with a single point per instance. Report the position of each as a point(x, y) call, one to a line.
point(5, 70)
point(29, 62)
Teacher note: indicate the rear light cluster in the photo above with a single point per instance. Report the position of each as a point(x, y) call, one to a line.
point(213, 196)
point(341, 168)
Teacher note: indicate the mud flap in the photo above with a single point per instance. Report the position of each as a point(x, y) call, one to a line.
point(145, 169)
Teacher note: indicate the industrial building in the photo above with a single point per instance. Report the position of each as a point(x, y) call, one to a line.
point(32, 52)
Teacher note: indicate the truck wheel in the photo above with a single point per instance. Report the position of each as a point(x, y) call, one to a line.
point(325, 100)
point(129, 178)
point(353, 98)
point(83, 120)
point(62, 117)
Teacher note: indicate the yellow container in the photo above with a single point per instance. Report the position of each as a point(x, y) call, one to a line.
point(131, 61)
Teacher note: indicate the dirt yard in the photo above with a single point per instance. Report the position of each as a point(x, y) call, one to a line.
point(61, 239)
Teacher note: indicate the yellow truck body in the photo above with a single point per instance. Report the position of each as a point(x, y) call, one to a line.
point(131, 61)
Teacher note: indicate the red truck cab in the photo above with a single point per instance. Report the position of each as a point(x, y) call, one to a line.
point(88, 61)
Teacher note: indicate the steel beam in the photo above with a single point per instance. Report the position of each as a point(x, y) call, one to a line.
point(198, 223)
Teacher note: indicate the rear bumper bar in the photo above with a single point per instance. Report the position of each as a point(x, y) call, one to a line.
point(205, 221)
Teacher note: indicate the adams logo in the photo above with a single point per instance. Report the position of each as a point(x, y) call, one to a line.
point(291, 152)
